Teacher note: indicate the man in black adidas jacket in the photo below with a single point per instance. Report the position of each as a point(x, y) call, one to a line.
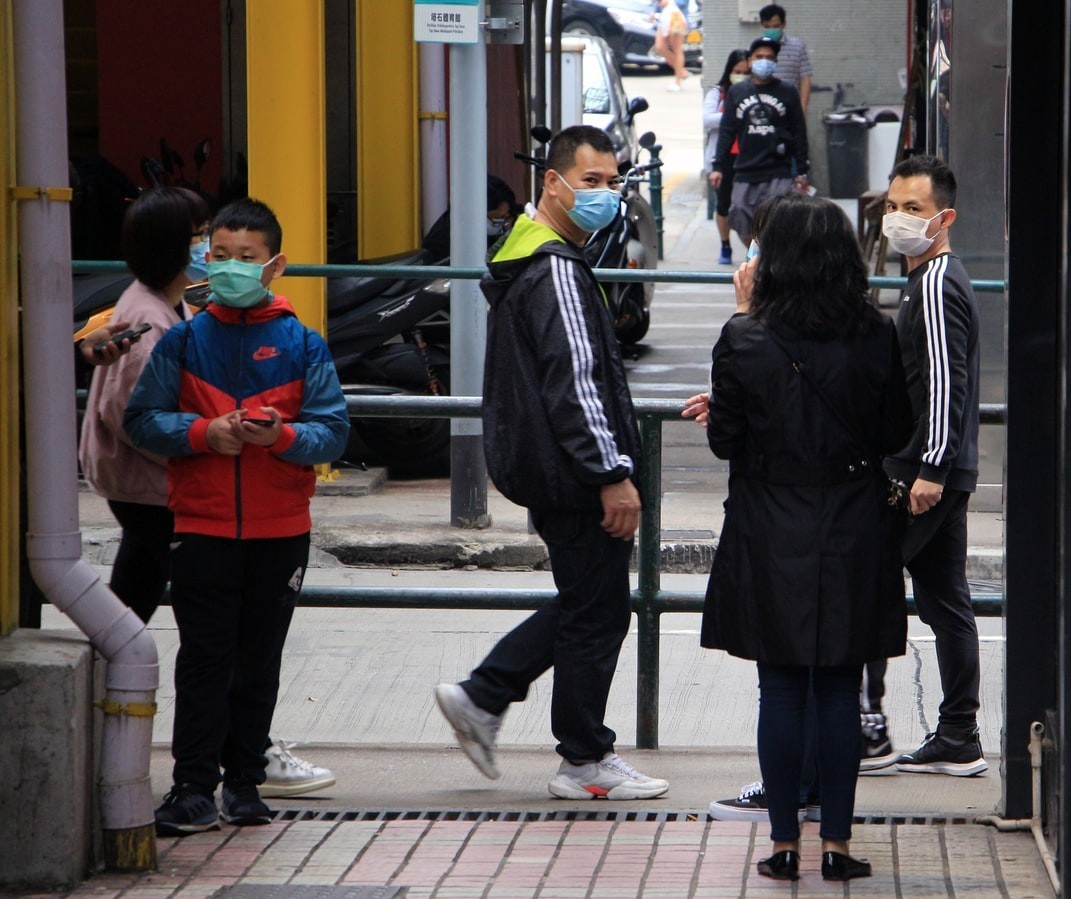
point(561, 439)
point(765, 116)
point(937, 326)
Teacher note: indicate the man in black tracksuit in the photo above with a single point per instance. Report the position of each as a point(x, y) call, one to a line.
point(765, 116)
point(561, 439)
point(937, 326)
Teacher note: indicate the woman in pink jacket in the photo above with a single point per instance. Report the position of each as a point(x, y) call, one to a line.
point(163, 241)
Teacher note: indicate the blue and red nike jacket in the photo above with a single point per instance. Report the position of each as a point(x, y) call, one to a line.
point(226, 359)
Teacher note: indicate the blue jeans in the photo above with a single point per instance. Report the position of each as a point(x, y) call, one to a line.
point(782, 744)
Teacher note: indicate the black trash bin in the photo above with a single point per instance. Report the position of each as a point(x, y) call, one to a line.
point(846, 146)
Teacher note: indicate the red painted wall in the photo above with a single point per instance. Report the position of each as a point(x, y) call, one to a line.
point(159, 75)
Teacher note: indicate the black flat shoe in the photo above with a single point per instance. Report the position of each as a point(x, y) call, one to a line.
point(838, 866)
point(784, 865)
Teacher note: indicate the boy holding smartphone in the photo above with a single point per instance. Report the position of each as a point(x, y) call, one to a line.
point(240, 493)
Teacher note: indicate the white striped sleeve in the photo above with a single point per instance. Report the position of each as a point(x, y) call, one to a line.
point(938, 397)
point(571, 307)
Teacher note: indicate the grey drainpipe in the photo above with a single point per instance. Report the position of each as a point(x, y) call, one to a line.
point(54, 543)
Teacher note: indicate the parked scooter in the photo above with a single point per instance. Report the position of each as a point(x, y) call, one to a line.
point(630, 241)
point(392, 338)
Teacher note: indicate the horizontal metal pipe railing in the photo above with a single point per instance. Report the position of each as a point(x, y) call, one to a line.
point(986, 605)
point(87, 267)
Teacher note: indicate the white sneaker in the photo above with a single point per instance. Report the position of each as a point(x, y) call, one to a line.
point(288, 775)
point(475, 729)
point(612, 778)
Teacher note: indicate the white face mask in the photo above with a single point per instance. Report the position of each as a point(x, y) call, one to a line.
point(907, 233)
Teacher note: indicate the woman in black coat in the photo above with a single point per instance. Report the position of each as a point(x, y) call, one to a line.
point(807, 394)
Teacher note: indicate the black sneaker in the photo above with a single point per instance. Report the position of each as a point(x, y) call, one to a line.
point(186, 809)
point(941, 755)
point(750, 805)
point(243, 806)
point(877, 752)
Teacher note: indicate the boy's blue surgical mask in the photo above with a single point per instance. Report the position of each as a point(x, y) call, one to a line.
point(593, 207)
point(763, 68)
point(237, 284)
point(197, 270)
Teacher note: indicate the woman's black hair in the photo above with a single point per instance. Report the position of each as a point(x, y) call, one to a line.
point(735, 56)
point(811, 276)
point(157, 230)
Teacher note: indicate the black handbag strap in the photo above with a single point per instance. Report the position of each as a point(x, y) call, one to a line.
point(805, 372)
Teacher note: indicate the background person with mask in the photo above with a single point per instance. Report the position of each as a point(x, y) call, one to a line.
point(561, 439)
point(765, 116)
point(501, 211)
point(735, 72)
point(793, 62)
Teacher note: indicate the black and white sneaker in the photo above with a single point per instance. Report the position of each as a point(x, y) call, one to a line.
point(941, 755)
point(242, 805)
point(750, 805)
point(877, 752)
point(186, 809)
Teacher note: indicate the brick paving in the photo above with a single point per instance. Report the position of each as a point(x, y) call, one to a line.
point(668, 857)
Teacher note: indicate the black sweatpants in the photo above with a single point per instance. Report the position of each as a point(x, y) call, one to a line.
point(935, 555)
point(140, 570)
point(579, 633)
point(233, 601)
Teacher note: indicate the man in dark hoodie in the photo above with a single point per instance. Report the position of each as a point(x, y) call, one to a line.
point(561, 439)
point(764, 114)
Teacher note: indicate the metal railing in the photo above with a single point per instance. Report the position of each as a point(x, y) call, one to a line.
point(649, 601)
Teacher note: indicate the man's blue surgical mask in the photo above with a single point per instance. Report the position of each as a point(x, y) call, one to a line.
point(774, 34)
point(237, 284)
point(593, 207)
point(763, 68)
point(197, 270)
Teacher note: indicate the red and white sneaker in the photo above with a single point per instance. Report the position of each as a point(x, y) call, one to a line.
point(612, 778)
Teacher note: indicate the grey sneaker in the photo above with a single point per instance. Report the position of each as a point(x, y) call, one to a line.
point(612, 778)
point(475, 729)
point(186, 809)
point(290, 775)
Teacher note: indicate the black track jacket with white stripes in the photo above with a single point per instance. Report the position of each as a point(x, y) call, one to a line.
point(558, 419)
point(937, 326)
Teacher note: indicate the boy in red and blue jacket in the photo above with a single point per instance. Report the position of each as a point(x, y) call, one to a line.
point(243, 400)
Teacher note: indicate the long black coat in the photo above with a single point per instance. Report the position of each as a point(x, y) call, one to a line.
point(808, 569)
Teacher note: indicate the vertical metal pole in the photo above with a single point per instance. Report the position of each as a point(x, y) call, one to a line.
point(650, 574)
point(468, 246)
point(656, 195)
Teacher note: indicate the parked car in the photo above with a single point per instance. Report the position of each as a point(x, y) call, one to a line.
point(606, 105)
point(627, 26)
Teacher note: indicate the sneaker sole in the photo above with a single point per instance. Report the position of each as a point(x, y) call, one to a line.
point(717, 812)
point(563, 788)
point(269, 790)
point(954, 769)
point(874, 764)
point(247, 820)
point(184, 830)
point(472, 747)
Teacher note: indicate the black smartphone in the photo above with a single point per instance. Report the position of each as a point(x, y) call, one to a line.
point(131, 334)
point(265, 422)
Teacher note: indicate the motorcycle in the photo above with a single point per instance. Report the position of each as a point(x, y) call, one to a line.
point(630, 241)
point(392, 338)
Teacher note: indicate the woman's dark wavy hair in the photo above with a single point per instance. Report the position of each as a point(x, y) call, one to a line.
point(156, 234)
point(734, 57)
point(811, 276)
